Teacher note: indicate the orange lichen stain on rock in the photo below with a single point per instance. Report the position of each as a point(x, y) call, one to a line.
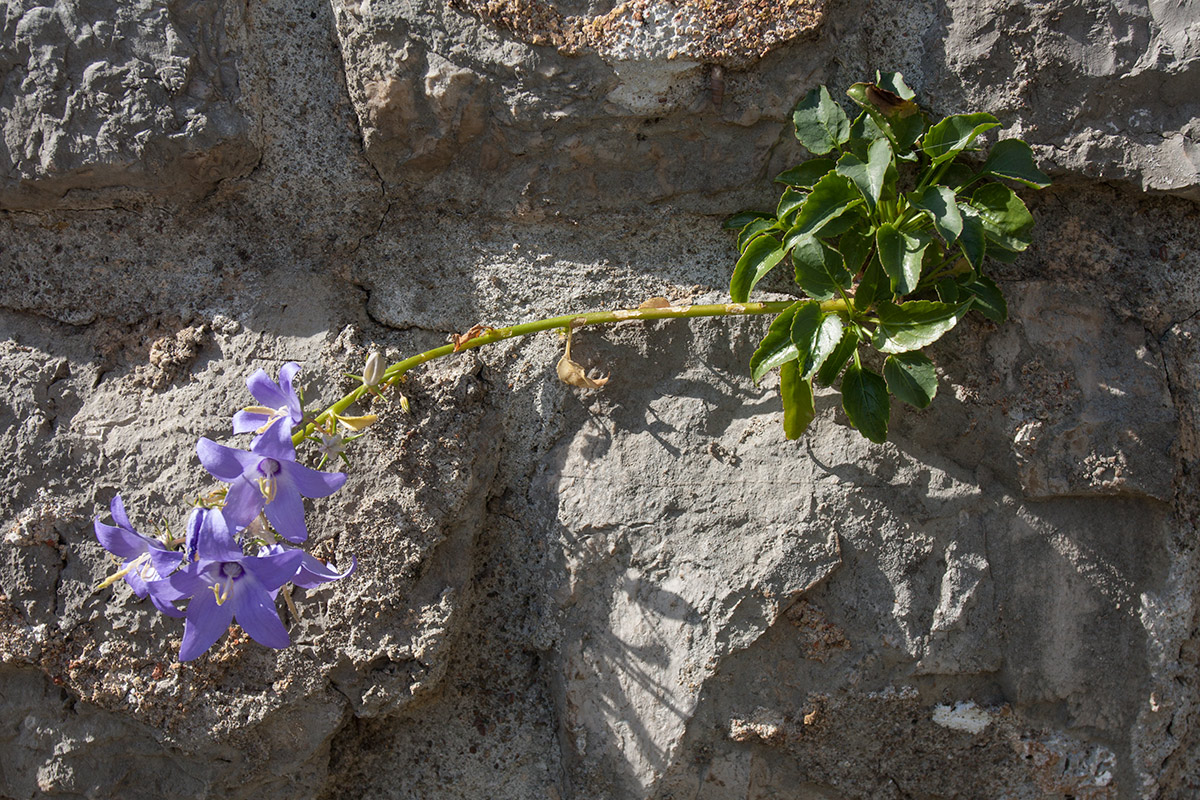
point(819, 636)
point(732, 33)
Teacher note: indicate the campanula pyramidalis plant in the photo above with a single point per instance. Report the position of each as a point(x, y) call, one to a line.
point(889, 230)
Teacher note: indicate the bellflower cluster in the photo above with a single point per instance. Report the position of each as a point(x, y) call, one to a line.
point(234, 560)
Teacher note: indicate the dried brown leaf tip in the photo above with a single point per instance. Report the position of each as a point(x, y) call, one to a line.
point(461, 339)
point(573, 373)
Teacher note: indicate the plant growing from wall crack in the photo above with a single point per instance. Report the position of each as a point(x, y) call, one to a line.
point(886, 231)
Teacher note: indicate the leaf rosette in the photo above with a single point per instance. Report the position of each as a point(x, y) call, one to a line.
point(888, 229)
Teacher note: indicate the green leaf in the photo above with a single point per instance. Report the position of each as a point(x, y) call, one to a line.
point(819, 269)
point(1013, 159)
point(874, 287)
point(865, 401)
point(863, 132)
point(776, 347)
point(806, 174)
point(972, 239)
point(831, 197)
point(742, 219)
point(821, 124)
point(989, 301)
point(939, 205)
point(798, 406)
point(956, 175)
point(815, 335)
point(855, 245)
point(901, 254)
point(761, 255)
point(894, 83)
point(911, 377)
point(954, 134)
point(897, 116)
point(871, 176)
point(915, 324)
point(755, 229)
point(1006, 220)
point(947, 289)
point(829, 371)
point(791, 200)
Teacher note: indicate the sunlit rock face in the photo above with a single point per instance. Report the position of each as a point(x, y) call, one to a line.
point(640, 591)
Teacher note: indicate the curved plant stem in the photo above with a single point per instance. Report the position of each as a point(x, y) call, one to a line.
point(393, 374)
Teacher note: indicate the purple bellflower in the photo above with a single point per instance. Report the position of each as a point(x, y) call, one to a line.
point(146, 561)
point(279, 402)
point(267, 479)
point(227, 586)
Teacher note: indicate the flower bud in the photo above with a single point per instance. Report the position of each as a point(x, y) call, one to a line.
point(373, 371)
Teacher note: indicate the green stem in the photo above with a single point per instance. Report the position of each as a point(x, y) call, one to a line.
point(395, 372)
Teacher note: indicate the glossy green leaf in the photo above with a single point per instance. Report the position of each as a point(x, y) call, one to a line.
point(911, 377)
point(989, 300)
point(897, 116)
point(1006, 220)
point(820, 271)
point(832, 367)
point(894, 83)
point(1013, 159)
point(954, 134)
point(855, 246)
point(956, 175)
point(948, 291)
point(915, 324)
point(872, 175)
point(901, 255)
point(875, 286)
point(863, 133)
point(815, 335)
point(831, 197)
point(799, 410)
point(791, 200)
point(755, 229)
point(821, 124)
point(776, 347)
point(939, 205)
point(743, 218)
point(972, 239)
point(805, 175)
point(761, 255)
point(865, 401)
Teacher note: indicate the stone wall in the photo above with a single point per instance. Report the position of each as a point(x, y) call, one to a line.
point(641, 592)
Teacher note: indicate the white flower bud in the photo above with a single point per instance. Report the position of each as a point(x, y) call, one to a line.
point(373, 371)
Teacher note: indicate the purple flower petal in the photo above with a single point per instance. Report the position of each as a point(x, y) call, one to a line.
point(225, 463)
point(117, 508)
point(255, 612)
point(213, 541)
point(121, 542)
point(312, 483)
point(273, 571)
point(286, 373)
point(192, 581)
point(243, 502)
point(286, 512)
point(280, 444)
point(275, 443)
point(313, 572)
point(206, 621)
point(265, 390)
point(165, 561)
point(246, 421)
point(162, 594)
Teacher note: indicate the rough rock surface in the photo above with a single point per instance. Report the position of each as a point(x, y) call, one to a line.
point(641, 592)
